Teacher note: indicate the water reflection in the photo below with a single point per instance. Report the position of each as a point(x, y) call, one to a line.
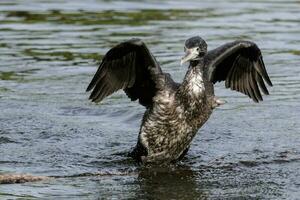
point(177, 182)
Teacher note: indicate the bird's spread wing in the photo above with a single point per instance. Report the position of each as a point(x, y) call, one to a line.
point(241, 66)
point(129, 66)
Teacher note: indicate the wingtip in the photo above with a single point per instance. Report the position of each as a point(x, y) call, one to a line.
point(257, 100)
point(264, 72)
point(93, 100)
point(260, 98)
point(268, 80)
point(270, 83)
point(88, 88)
point(267, 92)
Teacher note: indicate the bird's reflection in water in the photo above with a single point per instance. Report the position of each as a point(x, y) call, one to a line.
point(173, 182)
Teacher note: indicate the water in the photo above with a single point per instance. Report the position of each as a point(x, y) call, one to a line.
point(49, 52)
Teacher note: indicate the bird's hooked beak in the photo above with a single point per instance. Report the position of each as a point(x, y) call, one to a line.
point(190, 54)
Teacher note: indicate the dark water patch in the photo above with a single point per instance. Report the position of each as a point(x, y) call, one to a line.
point(132, 34)
point(152, 180)
point(113, 17)
point(266, 160)
point(18, 76)
point(101, 174)
point(13, 162)
point(60, 55)
point(4, 195)
point(72, 111)
point(138, 17)
point(8, 3)
point(3, 89)
point(3, 45)
point(100, 110)
point(295, 52)
point(5, 140)
point(10, 76)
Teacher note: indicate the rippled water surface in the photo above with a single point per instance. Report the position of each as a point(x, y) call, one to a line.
point(49, 51)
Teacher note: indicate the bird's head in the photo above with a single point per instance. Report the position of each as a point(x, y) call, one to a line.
point(195, 48)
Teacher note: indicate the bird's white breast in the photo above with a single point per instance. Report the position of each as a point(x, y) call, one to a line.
point(196, 84)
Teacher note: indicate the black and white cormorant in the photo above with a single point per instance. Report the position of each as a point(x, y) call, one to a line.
point(175, 112)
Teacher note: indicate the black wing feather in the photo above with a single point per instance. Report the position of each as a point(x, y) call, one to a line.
point(241, 66)
point(126, 66)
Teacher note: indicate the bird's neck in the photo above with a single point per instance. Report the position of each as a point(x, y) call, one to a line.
point(195, 71)
point(192, 93)
point(193, 87)
point(195, 63)
point(195, 81)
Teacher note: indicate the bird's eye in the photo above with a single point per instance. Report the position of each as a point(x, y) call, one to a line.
point(198, 49)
